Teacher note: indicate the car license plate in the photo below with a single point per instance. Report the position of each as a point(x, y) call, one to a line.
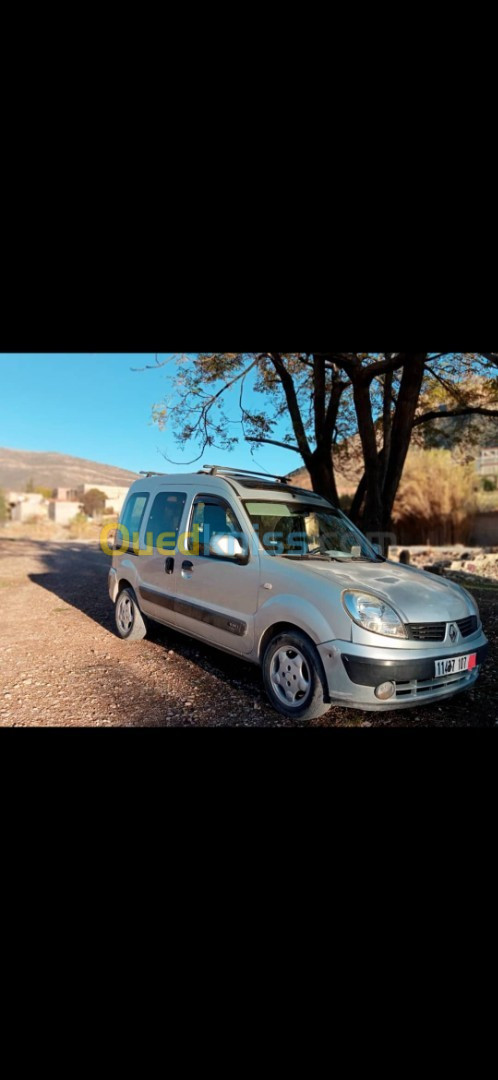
point(455, 664)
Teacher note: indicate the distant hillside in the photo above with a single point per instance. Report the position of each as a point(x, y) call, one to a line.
point(17, 467)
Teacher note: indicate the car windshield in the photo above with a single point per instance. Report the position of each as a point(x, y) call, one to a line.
point(301, 530)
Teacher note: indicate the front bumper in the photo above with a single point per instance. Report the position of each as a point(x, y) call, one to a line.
point(113, 584)
point(353, 671)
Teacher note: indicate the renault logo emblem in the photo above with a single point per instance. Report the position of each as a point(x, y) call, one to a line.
point(453, 633)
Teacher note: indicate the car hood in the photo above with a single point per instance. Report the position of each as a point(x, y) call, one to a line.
point(417, 596)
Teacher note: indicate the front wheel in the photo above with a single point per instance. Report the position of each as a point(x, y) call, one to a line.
point(293, 676)
point(128, 617)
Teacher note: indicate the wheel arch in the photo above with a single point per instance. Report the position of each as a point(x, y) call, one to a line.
point(285, 627)
point(123, 583)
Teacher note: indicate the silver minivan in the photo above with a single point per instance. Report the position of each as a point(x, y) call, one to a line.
point(276, 575)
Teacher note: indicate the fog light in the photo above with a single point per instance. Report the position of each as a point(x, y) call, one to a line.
point(385, 690)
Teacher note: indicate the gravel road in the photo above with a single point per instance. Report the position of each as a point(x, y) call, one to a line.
point(62, 664)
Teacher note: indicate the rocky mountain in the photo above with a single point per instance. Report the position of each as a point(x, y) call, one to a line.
point(47, 469)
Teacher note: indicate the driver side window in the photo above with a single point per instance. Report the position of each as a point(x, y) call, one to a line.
point(211, 517)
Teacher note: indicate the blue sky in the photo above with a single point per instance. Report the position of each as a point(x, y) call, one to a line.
point(96, 407)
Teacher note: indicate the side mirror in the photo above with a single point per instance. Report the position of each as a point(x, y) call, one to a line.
point(111, 539)
point(227, 546)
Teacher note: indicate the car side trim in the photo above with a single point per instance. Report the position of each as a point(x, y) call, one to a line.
point(194, 611)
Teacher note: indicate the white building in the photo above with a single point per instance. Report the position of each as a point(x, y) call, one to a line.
point(487, 462)
point(115, 494)
point(26, 505)
point(62, 511)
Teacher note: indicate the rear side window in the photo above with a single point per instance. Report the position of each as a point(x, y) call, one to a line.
point(164, 520)
point(132, 517)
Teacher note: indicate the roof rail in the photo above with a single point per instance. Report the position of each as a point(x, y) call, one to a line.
point(221, 469)
point(153, 472)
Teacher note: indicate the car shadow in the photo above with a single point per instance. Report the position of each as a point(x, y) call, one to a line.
point(77, 574)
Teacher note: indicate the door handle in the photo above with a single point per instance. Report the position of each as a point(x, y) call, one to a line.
point(169, 564)
point(186, 565)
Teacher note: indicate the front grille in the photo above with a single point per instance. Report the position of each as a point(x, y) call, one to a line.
point(419, 687)
point(427, 631)
point(436, 631)
point(467, 626)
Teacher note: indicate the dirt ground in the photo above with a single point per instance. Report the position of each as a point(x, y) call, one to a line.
point(62, 664)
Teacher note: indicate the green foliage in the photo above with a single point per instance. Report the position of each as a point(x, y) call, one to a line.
point(3, 508)
point(463, 434)
point(489, 483)
point(93, 502)
point(38, 489)
point(194, 409)
point(487, 500)
point(316, 403)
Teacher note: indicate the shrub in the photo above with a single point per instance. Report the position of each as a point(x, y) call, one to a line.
point(81, 528)
point(93, 502)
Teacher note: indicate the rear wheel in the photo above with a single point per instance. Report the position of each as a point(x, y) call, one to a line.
point(293, 676)
point(128, 617)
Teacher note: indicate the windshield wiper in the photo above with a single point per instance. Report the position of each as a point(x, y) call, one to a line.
point(365, 558)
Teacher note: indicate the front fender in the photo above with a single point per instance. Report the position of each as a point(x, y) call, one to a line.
point(302, 614)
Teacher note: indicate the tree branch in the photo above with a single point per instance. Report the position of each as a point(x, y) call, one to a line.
point(153, 367)
point(381, 367)
point(292, 402)
point(387, 419)
point(464, 411)
point(337, 391)
point(273, 442)
point(319, 395)
point(451, 390)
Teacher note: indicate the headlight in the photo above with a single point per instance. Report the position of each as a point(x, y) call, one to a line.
point(373, 614)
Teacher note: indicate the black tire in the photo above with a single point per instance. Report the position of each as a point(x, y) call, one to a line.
point(298, 675)
point(128, 618)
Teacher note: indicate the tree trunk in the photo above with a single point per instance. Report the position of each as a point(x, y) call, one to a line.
point(372, 515)
point(387, 421)
point(401, 430)
point(321, 470)
point(356, 505)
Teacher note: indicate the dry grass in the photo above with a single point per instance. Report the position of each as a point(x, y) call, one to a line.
point(38, 530)
point(82, 529)
point(436, 498)
point(50, 530)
